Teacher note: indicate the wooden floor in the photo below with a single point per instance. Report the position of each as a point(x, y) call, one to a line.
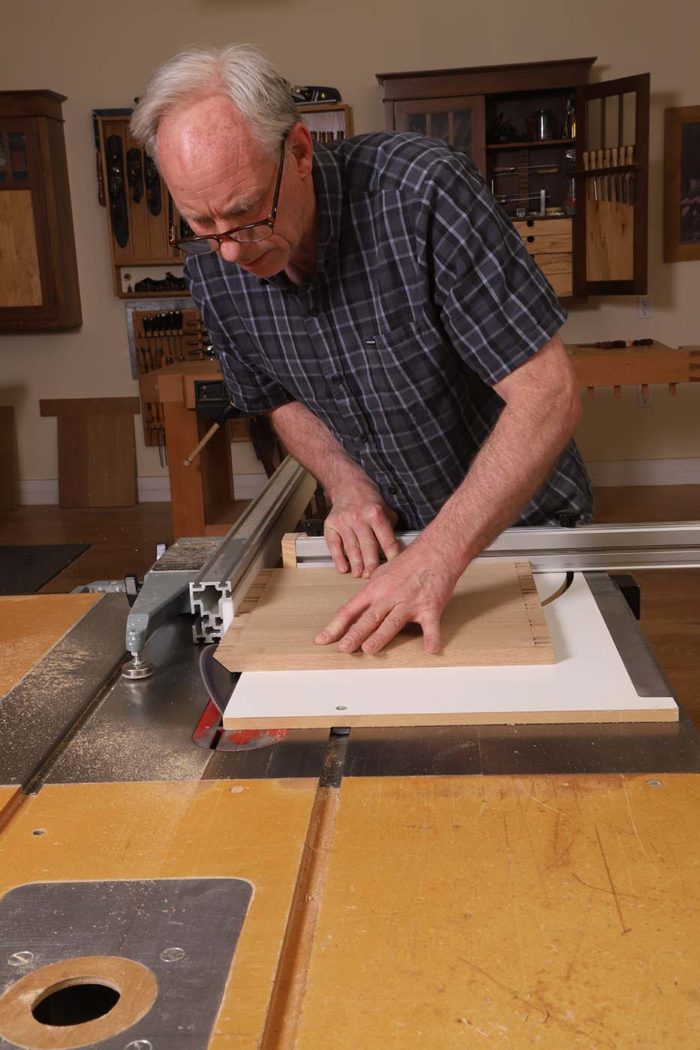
point(124, 541)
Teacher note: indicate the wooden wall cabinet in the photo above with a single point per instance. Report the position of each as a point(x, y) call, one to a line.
point(140, 211)
point(566, 159)
point(38, 270)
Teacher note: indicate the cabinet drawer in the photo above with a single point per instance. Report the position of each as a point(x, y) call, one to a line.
point(558, 270)
point(553, 235)
point(562, 284)
point(554, 263)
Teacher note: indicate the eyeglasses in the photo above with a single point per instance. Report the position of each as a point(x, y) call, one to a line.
point(252, 231)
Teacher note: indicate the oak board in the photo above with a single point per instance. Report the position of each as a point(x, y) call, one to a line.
point(493, 618)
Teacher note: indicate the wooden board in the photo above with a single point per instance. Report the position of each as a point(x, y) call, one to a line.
point(494, 617)
point(609, 241)
point(587, 683)
point(636, 365)
point(21, 280)
point(512, 912)
point(96, 450)
point(31, 626)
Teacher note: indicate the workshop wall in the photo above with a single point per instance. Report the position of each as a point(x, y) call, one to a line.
point(100, 55)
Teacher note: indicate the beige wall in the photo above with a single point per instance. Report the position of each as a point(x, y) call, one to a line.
point(99, 55)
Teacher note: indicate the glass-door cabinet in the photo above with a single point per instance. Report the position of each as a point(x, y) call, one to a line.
point(567, 160)
point(457, 121)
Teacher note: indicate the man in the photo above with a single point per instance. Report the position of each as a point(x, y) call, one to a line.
point(371, 297)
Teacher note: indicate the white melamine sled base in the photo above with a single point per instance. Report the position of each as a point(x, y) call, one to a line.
point(587, 683)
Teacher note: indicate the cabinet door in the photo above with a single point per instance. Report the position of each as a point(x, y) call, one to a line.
point(138, 203)
point(26, 292)
point(612, 144)
point(459, 122)
point(38, 271)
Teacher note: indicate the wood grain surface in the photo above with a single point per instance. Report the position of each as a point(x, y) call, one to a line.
point(494, 617)
point(553, 912)
point(31, 626)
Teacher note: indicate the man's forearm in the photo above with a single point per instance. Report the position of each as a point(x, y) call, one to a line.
point(517, 458)
point(312, 444)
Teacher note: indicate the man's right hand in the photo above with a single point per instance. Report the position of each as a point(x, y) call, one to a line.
point(359, 525)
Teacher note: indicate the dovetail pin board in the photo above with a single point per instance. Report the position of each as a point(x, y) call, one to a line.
point(493, 618)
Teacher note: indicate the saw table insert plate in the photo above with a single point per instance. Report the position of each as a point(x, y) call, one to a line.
point(493, 618)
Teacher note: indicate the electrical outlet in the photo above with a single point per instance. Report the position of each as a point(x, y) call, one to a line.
point(643, 307)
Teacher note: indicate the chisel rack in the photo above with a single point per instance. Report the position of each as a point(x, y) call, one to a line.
point(161, 337)
point(327, 122)
point(612, 187)
point(140, 212)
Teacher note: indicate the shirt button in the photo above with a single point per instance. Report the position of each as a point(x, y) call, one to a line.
point(313, 313)
point(337, 379)
point(392, 491)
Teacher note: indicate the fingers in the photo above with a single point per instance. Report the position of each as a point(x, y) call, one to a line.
point(335, 546)
point(369, 624)
point(369, 551)
point(374, 640)
point(376, 626)
point(390, 627)
point(342, 620)
point(356, 549)
point(387, 540)
point(432, 641)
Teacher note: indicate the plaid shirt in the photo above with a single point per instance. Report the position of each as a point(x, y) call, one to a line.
point(422, 298)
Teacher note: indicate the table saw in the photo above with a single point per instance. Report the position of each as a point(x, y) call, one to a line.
point(170, 883)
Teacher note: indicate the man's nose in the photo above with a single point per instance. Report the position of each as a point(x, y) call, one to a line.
point(231, 251)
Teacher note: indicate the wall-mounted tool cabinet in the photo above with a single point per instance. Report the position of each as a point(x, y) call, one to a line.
point(140, 212)
point(38, 271)
point(566, 159)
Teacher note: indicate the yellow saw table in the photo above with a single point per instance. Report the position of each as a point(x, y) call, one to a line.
point(461, 907)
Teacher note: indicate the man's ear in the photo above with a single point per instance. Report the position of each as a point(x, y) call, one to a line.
point(300, 145)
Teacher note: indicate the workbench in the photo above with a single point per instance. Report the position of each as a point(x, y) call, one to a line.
point(202, 493)
point(527, 885)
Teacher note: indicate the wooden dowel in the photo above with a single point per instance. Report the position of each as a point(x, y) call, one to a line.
point(188, 460)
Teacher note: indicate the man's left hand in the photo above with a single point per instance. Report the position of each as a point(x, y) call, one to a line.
point(412, 588)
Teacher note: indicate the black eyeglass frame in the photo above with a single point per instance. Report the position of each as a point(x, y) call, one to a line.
point(227, 235)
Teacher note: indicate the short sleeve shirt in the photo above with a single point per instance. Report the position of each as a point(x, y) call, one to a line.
point(423, 297)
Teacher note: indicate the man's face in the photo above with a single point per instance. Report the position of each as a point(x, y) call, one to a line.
point(220, 178)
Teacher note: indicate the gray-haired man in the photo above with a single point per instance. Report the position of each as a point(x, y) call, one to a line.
point(370, 297)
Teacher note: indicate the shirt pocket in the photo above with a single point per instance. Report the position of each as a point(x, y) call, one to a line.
point(412, 370)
